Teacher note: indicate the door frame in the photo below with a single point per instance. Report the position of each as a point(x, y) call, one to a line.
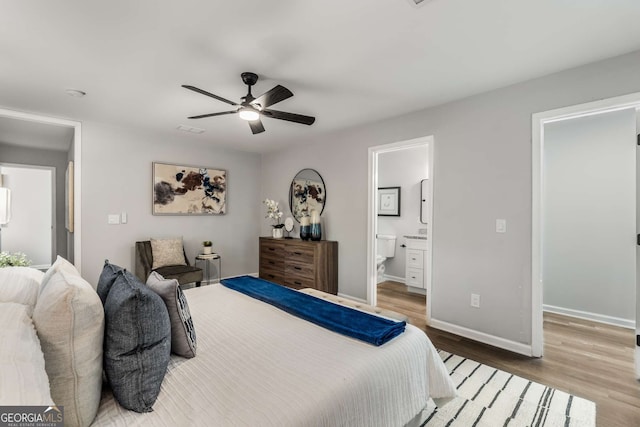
point(77, 173)
point(374, 152)
point(538, 121)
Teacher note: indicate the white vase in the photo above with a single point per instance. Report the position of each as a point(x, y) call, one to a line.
point(277, 233)
point(206, 250)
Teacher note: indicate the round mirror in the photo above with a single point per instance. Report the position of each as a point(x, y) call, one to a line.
point(306, 193)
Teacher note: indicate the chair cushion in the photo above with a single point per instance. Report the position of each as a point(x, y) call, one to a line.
point(183, 334)
point(167, 252)
point(137, 342)
point(70, 323)
point(183, 273)
point(20, 285)
point(106, 279)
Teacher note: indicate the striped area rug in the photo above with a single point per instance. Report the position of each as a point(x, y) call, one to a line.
point(489, 397)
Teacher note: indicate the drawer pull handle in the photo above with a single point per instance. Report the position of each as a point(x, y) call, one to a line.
point(272, 249)
point(271, 276)
point(297, 283)
point(298, 253)
point(271, 262)
point(413, 259)
point(297, 268)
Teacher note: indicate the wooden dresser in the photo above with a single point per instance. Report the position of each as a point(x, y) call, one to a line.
point(300, 264)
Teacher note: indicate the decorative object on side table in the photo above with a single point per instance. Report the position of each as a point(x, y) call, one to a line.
point(288, 226)
point(316, 227)
point(206, 247)
point(16, 259)
point(305, 228)
point(274, 212)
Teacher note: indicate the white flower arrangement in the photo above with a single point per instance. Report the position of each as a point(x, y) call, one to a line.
point(273, 212)
point(17, 259)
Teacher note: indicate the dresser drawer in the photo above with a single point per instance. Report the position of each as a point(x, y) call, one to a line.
point(272, 263)
point(299, 269)
point(414, 277)
point(271, 248)
point(296, 282)
point(299, 253)
point(415, 258)
point(272, 275)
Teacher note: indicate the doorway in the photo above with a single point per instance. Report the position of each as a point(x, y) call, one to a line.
point(574, 159)
point(74, 238)
point(405, 220)
point(32, 227)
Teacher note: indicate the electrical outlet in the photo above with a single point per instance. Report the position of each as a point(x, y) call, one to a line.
point(501, 225)
point(475, 300)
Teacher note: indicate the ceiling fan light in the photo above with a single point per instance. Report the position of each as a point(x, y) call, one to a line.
point(248, 114)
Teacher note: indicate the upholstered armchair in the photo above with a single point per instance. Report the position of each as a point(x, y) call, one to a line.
point(183, 273)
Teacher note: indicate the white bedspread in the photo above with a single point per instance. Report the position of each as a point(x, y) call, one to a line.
point(259, 366)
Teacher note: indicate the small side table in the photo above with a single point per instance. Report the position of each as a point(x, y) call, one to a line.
point(208, 259)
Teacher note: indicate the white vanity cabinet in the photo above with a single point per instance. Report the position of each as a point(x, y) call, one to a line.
point(416, 261)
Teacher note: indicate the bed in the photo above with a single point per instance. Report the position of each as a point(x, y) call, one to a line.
point(257, 365)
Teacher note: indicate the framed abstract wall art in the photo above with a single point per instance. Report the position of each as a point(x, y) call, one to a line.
point(188, 190)
point(388, 201)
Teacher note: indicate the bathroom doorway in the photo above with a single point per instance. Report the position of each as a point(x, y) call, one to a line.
point(400, 204)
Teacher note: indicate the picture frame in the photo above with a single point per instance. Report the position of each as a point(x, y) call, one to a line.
point(388, 201)
point(68, 198)
point(188, 190)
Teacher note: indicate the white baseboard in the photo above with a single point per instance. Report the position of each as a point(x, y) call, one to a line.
point(364, 301)
point(493, 340)
point(418, 291)
point(601, 318)
point(394, 278)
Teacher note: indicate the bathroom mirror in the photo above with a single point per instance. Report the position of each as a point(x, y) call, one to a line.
point(307, 192)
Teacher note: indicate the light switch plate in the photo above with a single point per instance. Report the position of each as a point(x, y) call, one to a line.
point(501, 225)
point(123, 217)
point(113, 219)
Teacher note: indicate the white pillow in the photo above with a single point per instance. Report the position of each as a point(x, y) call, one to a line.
point(23, 379)
point(20, 285)
point(61, 264)
point(167, 252)
point(70, 321)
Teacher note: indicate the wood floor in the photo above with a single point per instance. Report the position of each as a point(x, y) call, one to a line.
point(585, 358)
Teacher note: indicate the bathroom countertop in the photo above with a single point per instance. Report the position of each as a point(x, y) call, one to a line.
point(416, 236)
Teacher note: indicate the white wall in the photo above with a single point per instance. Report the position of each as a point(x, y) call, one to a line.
point(482, 171)
point(589, 214)
point(116, 177)
point(402, 168)
point(29, 230)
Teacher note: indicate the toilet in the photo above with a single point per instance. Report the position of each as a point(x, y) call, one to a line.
point(386, 244)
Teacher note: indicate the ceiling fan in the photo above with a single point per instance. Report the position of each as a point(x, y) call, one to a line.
point(250, 109)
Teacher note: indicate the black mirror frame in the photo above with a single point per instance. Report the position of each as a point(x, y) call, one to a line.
point(324, 204)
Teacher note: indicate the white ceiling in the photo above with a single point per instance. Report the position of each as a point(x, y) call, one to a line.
point(348, 62)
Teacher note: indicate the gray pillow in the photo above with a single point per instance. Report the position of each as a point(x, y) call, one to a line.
point(106, 279)
point(137, 342)
point(183, 334)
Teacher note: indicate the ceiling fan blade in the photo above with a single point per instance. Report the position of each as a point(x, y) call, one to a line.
point(291, 117)
point(202, 116)
point(275, 95)
point(204, 92)
point(256, 126)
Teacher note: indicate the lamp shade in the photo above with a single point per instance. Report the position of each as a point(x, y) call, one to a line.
point(5, 205)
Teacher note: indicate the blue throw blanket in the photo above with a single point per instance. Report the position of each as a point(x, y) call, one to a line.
point(343, 320)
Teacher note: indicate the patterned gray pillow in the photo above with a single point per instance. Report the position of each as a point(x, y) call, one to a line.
point(183, 334)
point(106, 279)
point(167, 252)
point(137, 342)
